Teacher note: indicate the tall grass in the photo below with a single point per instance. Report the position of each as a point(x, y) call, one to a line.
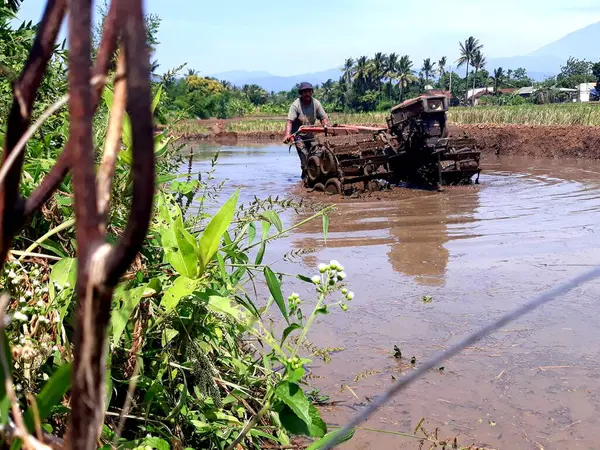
point(552, 114)
point(587, 114)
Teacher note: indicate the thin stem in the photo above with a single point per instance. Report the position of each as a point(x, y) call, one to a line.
point(250, 425)
point(52, 232)
point(310, 320)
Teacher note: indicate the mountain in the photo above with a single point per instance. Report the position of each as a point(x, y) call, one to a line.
point(540, 64)
point(277, 83)
point(546, 61)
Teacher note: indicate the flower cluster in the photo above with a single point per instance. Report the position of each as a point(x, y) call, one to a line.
point(330, 279)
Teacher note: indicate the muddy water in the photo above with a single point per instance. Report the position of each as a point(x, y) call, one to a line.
point(478, 251)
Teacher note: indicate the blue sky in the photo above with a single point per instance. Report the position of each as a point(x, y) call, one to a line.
point(287, 38)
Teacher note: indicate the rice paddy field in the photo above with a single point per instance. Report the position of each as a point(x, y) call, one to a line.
point(586, 114)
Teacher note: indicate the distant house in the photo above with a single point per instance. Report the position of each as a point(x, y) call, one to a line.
point(585, 91)
point(526, 92)
point(475, 94)
point(507, 91)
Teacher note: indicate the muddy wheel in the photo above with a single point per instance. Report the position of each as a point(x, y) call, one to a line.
point(319, 187)
point(333, 186)
point(328, 164)
point(313, 169)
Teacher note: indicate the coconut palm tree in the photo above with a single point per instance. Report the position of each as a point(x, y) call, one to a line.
point(478, 62)
point(442, 66)
point(192, 73)
point(427, 69)
point(468, 49)
point(498, 79)
point(327, 88)
point(390, 71)
point(378, 65)
point(404, 74)
point(348, 70)
point(362, 74)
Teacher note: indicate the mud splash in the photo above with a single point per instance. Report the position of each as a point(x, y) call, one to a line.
point(477, 251)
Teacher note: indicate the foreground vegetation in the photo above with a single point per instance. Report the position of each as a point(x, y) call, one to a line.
point(206, 347)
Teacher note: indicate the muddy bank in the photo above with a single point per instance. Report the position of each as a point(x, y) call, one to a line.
point(522, 140)
point(536, 141)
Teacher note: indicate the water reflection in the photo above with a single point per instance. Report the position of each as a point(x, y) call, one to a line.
point(411, 227)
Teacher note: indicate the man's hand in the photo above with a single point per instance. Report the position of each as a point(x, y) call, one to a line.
point(289, 139)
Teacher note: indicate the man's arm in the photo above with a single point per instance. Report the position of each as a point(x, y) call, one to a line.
point(288, 130)
point(292, 115)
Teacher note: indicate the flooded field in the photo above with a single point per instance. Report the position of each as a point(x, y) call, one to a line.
point(477, 251)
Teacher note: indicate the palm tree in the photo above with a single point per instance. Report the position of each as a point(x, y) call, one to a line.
point(192, 73)
point(226, 84)
point(467, 52)
point(427, 69)
point(390, 71)
point(478, 62)
point(327, 87)
point(362, 74)
point(348, 70)
point(379, 63)
point(498, 79)
point(442, 66)
point(404, 74)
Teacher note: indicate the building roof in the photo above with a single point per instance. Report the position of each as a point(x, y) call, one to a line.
point(439, 92)
point(526, 90)
point(507, 90)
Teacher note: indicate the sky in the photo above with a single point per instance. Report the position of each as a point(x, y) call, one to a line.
point(290, 38)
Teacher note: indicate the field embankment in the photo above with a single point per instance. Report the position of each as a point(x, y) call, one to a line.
point(565, 130)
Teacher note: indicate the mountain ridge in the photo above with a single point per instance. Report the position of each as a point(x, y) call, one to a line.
point(540, 64)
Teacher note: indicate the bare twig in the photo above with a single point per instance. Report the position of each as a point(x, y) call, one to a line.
point(128, 401)
point(111, 144)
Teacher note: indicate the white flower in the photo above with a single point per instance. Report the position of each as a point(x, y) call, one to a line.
point(22, 300)
point(20, 316)
point(323, 268)
point(35, 282)
point(341, 275)
point(45, 377)
point(16, 281)
point(350, 295)
point(58, 287)
point(19, 387)
point(316, 279)
point(45, 290)
point(12, 274)
point(55, 348)
point(40, 303)
point(335, 265)
point(36, 272)
point(67, 284)
point(44, 319)
point(29, 294)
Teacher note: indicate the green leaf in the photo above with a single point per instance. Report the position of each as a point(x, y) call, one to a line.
point(265, 232)
point(179, 244)
point(288, 330)
point(325, 226)
point(120, 316)
point(305, 279)
point(294, 425)
point(182, 287)
point(211, 237)
point(5, 402)
point(50, 395)
point(292, 395)
point(251, 232)
point(332, 437)
point(156, 99)
point(274, 219)
point(156, 443)
point(223, 305)
point(258, 433)
point(275, 289)
point(168, 335)
point(63, 272)
point(182, 399)
point(201, 427)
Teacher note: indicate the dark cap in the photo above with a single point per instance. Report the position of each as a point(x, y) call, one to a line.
point(305, 86)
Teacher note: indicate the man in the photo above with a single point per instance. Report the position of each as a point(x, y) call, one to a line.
point(304, 111)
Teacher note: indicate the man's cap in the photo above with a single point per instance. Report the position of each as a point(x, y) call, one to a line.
point(305, 86)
